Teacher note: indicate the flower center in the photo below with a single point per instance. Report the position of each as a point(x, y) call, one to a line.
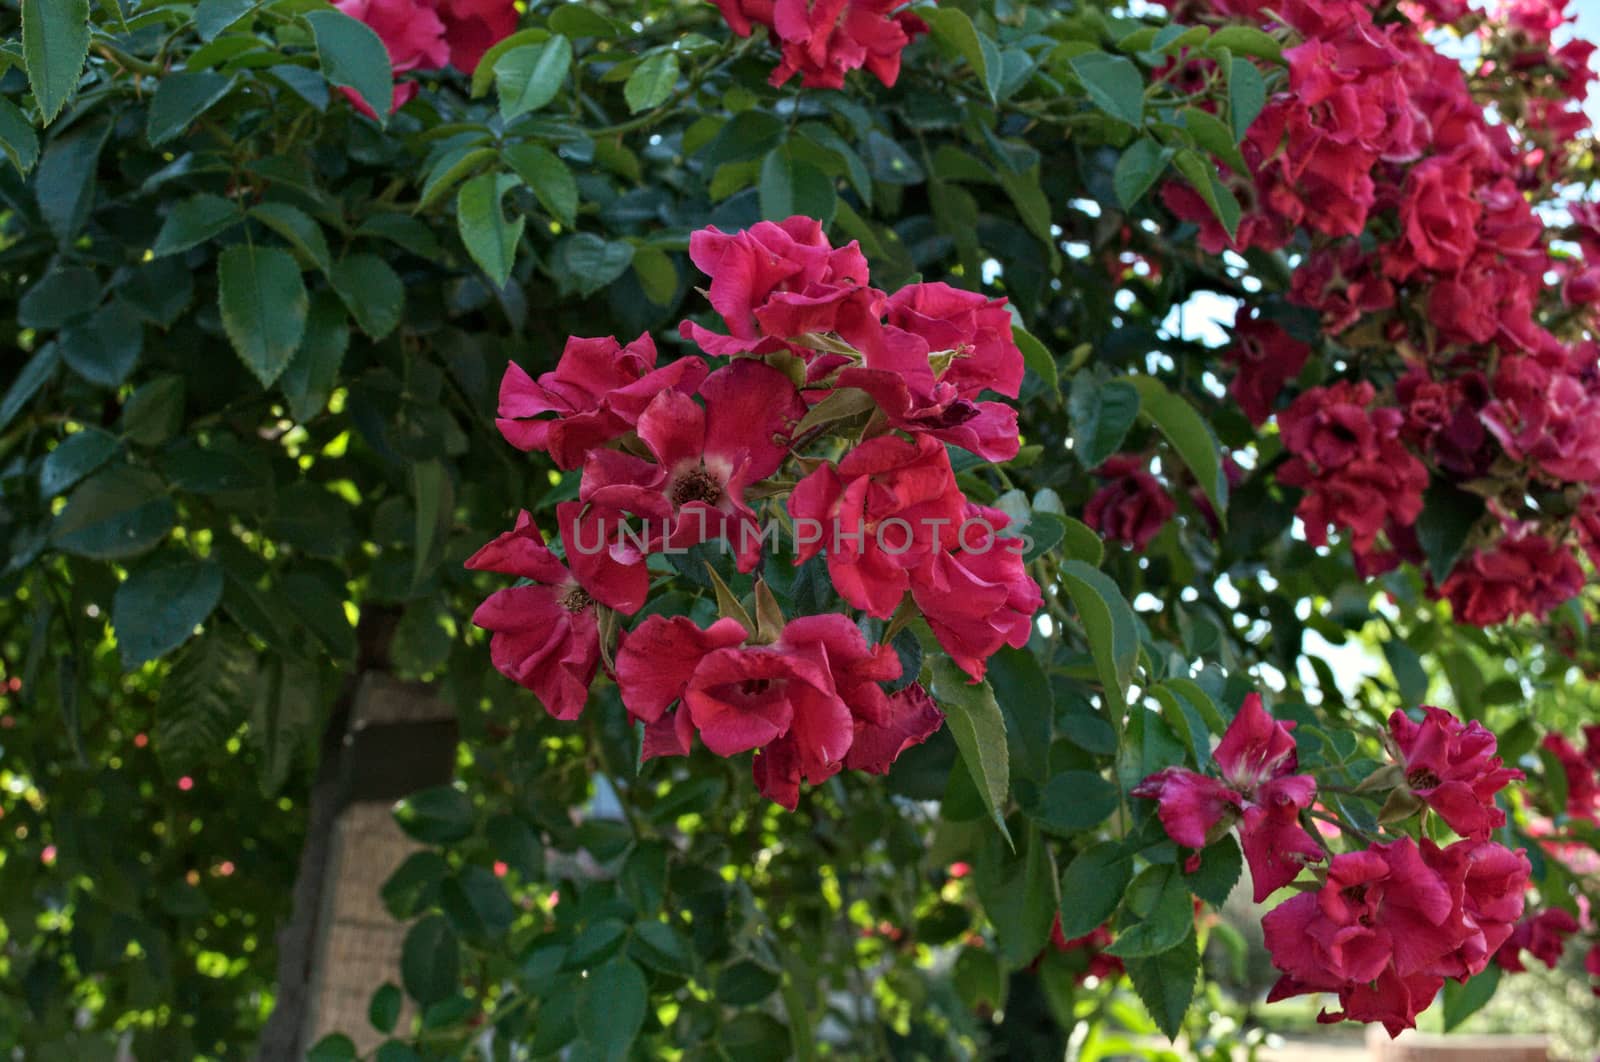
point(577, 599)
point(696, 485)
point(753, 687)
point(1422, 778)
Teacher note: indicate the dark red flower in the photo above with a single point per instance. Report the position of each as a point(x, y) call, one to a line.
point(1523, 574)
point(1544, 936)
point(888, 507)
point(597, 392)
point(545, 635)
point(704, 459)
point(1452, 768)
point(1132, 507)
point(1258, 789)
point(1267, 358)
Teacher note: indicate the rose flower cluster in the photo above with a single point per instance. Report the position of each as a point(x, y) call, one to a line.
point(823, 41)
point(831, 408)
point(1408, 213)
point(430, 35)
point(1388, 922)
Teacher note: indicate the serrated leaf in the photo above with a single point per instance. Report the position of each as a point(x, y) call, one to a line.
point(1462, 1001)
point(158, 606)
point(1221, 864)
point(1202, 177)
point(611, 1009)
point(529, 77)
point(1101, 414)
point(1209, 132)
point(204, 698)
point(1247, 95)
point(181, 98)
point(55, 42)
point(264, 305)
point(489, 237)
point(353, 57)
point(1189, 435)
point(38, 370)
point(371, 291)
point(1140, 164)
point(953, 28)
point(307, 382)
point(65, 182)
point(193, 221)
point(789, 187)
point(652, 81)
point(1113, 633)
point(1113, 83)
point(17, 138)
point(979, 729)
point(1092, 886)
point(299, 228)
point(430, 960)
point(74, 458)
point(1448, 516)
point(550, 178)
point(1246, 40)
point(121, 511)
point(1165, 984)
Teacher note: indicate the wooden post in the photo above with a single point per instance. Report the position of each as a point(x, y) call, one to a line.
point(1412, 1046)
point(400, 738)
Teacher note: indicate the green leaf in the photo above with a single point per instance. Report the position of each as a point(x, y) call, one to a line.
point(1165, 983)
point(1141, 163)
point(1027, 195)
point(745, 983)
point(1448, 516)
point(953, 28)
point(657, 275)
point(384, 1009)
point(1166, 914)
point(1462, 1001)
point(652, 81)
point(105, 348)
point(1101, 414)
point(576, 20)
point(203, 698)
point(1082, 543)
point(1554, 778)
point(490, 239)
point(299, 228)
point(749, 135)
point(194, 221)
point(1113, 83)
point(1246, 40)
point(438, 815)
point(1218, 872)
point(1018, 893)
point(1189, 436)
point(73, 458)
point(430, 961)
point(1113, 633)
point(158, 606)
point(449, 169)
point(550, 178)
point(1075, 800)
point(335, 1047)
point(1092, 887)
point(154, 413)
point(371, 291)
point(980, 732)
point(1202, 177)
point(264, 306)
point(529, 77)
point(283, 717)
point(211, 17)
point(308, 380)
point(1036, 357)
point(353, 57)
point(65, 183)
point(1209, 132)
point(181, 98)
point(585, 263)
point(431, 488)
point(476, 904)
point(414, 884)
point(789, 187)
point(611, 1008)
point(34, 375)
point(17, 138)
point(1247, 95)
point(119, 512)
point(1409, 674)
point(55, 41)
point(513, 842)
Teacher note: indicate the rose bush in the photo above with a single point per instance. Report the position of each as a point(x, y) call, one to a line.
point(909, 506)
